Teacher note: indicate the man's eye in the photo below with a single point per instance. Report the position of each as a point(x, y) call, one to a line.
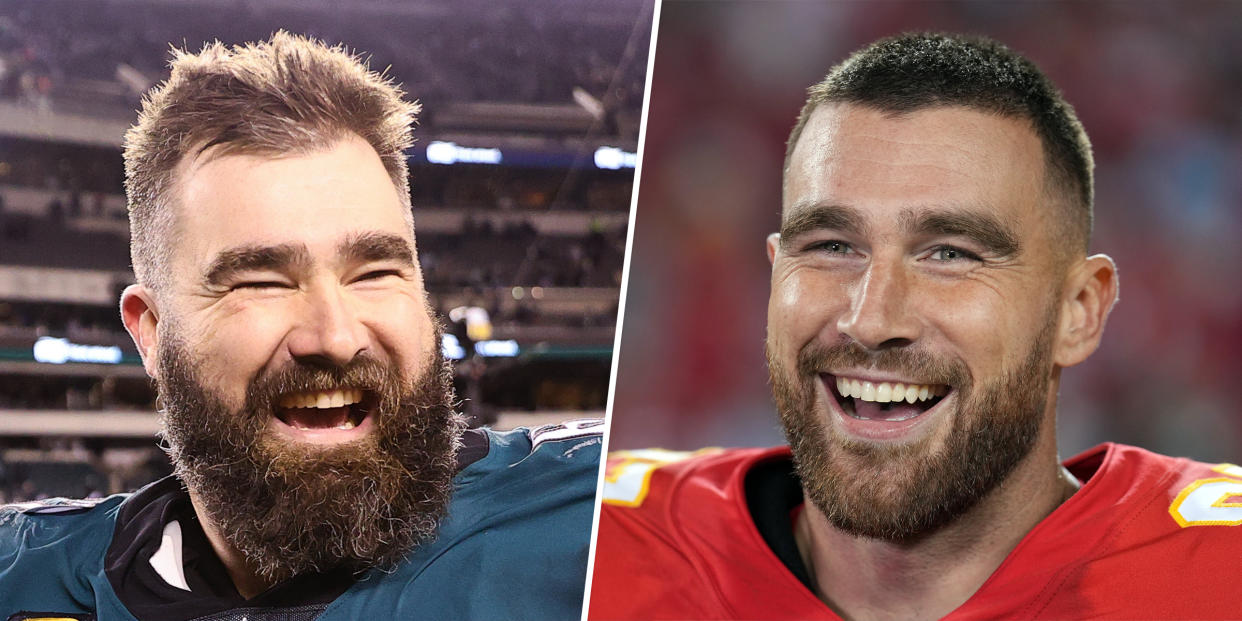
point(833, 246)
point(260, 284)
point(949, 253)
point(374, 274)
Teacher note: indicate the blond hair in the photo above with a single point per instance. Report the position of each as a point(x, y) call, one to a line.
point(287, 95)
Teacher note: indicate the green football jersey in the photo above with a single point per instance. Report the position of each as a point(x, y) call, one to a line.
point(513, 546)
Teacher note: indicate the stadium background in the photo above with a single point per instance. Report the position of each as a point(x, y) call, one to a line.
point(521, 185)
point(1158, 86)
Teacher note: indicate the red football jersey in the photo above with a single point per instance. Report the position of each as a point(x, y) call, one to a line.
point(1147, 537)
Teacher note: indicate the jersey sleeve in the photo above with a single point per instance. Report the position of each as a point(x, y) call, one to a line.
point(677, 540)
point(51, 553)
point(642, 569)
point(544, 504)
point(1146, 537)
point(1174, 548)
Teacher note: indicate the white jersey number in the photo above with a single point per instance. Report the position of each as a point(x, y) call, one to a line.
point(1211, 502)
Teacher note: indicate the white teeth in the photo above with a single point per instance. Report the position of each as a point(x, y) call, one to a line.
point(322, 398)
point(885, 392)
point(348, 424)
point(868, 392)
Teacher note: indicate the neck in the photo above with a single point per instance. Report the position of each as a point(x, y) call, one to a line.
point(866, 579)
point(245, 580)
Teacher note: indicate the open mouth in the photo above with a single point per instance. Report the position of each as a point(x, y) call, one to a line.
point(313, 410)
point(884, 401)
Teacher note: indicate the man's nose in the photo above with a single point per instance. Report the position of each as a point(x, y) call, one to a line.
point(879, 315)
point(329, 330)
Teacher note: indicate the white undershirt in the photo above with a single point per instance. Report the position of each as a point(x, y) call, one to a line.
point(167, 559)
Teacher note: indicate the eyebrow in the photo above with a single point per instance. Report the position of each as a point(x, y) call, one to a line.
point(228, 263)
point(982, 228)
point(361, 248)
point(818, 216)
point(367, 247)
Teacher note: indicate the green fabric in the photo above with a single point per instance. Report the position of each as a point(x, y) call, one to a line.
point(514, 545)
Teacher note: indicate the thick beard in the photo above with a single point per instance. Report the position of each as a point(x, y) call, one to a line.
point(903, 493)
point(292, 509)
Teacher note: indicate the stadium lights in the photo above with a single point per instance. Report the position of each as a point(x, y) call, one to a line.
point(612, 158)
point(441, 152)
point(52, 350)
point(452, 349)
point(497, 349)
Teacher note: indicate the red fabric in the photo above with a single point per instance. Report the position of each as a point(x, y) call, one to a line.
point(1112, 551)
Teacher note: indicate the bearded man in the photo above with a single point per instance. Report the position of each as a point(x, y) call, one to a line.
point(321, 471)
point(930, 281)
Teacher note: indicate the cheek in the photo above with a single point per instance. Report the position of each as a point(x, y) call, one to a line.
point(247, 331)
point(988, 329)
point(803, 304)
point(234, 348)
point(404, 328)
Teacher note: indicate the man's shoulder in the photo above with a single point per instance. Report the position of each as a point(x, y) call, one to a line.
point(1120, 475)
point(652, 480)
point(31, 533)
point(1134, 497)
point(52, 552)
point(676, 527)
point(570, 441)
point(1143, 526)
point(522, 509)
point(545, 471)
point(567, 449)
point(42, 522)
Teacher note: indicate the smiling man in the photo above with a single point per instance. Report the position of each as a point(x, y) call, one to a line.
point(321, 471)
point(930, 281)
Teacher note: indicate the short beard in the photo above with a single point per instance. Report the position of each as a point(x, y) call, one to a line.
point(292, 509)
point(903, 493)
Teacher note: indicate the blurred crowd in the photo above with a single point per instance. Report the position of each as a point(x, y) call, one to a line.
point(75, 468)
point(1158, 86)
point(517, 255)
point(85, 177)
point(68, 183)
point(515, 189)
point(69, 54)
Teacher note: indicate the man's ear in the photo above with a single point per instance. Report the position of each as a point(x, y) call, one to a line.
point(141, 316)
point(774, 244)
point(1090, 293)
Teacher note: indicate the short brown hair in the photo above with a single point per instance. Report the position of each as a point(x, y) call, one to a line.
point(915, 71)
point(289, 94)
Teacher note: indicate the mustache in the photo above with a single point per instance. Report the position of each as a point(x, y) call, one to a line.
point(363, 372)
point(815, 358)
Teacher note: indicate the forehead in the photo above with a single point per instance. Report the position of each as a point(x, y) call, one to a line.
point(316, 199)
point(930, 158)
